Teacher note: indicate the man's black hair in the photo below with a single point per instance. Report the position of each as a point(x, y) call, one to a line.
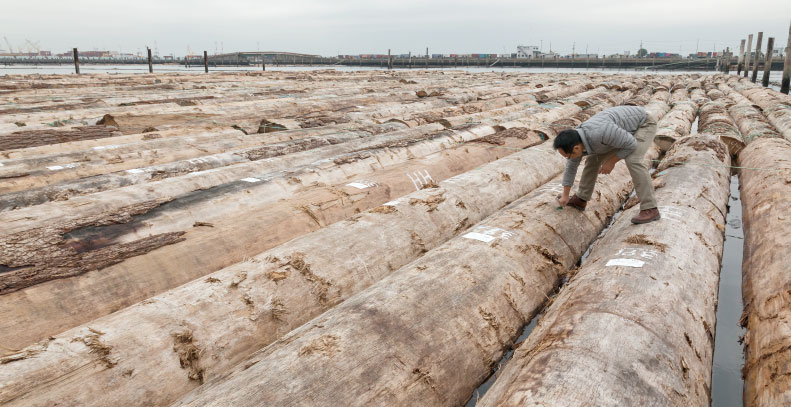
point(566, 140)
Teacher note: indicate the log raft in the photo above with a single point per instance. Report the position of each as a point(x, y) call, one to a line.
point(766, 286)
point(205, 205)
point(432, 331)
point(232, 236)
point(635, 325)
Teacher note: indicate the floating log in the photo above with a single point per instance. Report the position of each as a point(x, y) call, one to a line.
point(635, 325)
point(752, 123)
point(76, 238)
point(676, 124)
point(268, 295)
point(775, 106)
point(766, 286)
point(286, 306)
point(766, 201)
point(73, 228)
point(429, 334)
point(718, 123)
point(97, 183)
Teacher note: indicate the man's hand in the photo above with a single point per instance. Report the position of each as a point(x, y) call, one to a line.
point(563, 199)
point(608, 165)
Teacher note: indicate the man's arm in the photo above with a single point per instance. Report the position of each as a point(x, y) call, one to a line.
point(568, 178)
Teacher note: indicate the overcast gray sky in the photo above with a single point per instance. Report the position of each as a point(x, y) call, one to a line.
point(373, 26)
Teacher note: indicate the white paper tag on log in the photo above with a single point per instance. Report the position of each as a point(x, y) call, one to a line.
point(479, 236)
point(391, 203)
point(135, 171)
point(60, 167)
point(362, 184)
point(105, 147)
point(1, 164)
point(251, 180)
point(625, 263)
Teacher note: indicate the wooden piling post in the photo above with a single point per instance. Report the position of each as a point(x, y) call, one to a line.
point(786, 81)
point(389, 60)
point(206, 61)
point(756, 59)
point(747, 54)
point(77, 61)
point(263, 63)
point(426, 57)
point(740, 61)
point(768, 64)
point(150, 65)
point(727, 68)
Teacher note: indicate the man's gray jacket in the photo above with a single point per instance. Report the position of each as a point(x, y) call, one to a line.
point(610, 130)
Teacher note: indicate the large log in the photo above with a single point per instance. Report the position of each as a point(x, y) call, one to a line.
point(410, 322)
point(766, 203)
point(209, 171)
point(719, 123)
point(120, 157)
point(430, 333)
point(240, 105)
point(43, 175)
point(156, 172)
point(635, 325)
point(92, 289)
point(676, 124)
point(60, 239)
point(106, 158)
point(772, 104)
point(766, 286)
point(268, 295)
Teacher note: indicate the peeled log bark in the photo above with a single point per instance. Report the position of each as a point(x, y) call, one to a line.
point(676, 124)
point(678, 95)
point(430, 333)
point(766, 286)
point(635, 325)
point(104, 182)
point(102, 159)
point(48, 175)
point(88, 290)
point(716, 121)
point(33, 138)
point(773, 105)
point(242, 308)
point(195, 175)
point(213, 236)
point(751, 122)
point(89, 243)
point(766, 203)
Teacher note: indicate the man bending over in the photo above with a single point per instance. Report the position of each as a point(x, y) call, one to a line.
point(618, 133)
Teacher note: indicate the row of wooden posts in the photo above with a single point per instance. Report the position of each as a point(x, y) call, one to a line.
point(745, 61)
point(748, 59)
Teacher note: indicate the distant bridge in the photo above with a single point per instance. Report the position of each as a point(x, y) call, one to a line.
point(255, 57)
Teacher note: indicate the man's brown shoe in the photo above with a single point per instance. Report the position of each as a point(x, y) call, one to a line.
point(646, 215)
point(577, 203)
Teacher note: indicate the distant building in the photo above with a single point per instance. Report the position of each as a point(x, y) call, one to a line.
point(584, 56)
point(527, 51)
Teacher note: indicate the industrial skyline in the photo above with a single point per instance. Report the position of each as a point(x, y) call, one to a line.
point(355, 27)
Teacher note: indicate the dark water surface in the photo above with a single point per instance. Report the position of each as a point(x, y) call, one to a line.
point(728, 356)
